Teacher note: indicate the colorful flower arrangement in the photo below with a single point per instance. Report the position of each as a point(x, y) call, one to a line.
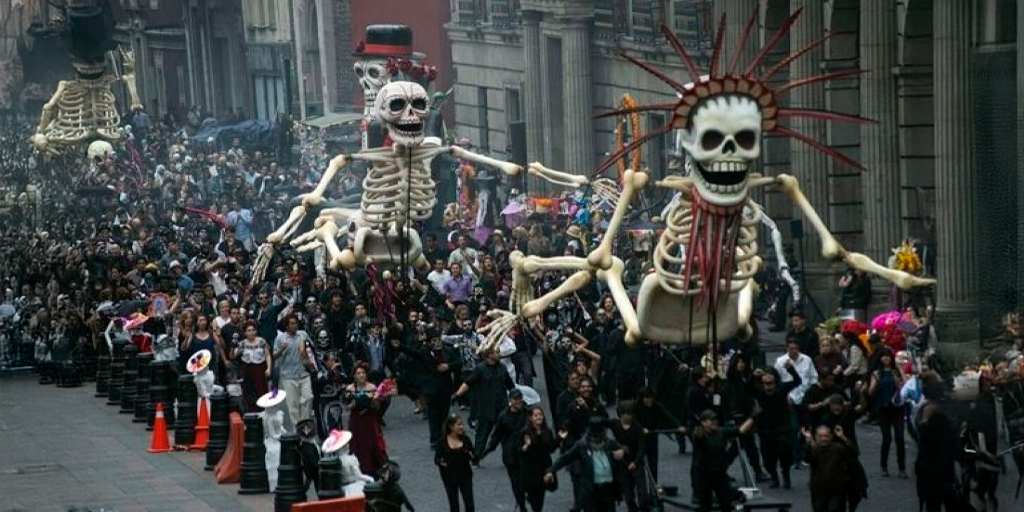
point(411, 70)
point(905, 258)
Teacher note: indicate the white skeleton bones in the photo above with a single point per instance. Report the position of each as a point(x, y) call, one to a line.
point(397, 190)
point(85, 108)
point(702, 288)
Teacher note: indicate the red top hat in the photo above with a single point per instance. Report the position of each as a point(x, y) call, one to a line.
point(387, 41)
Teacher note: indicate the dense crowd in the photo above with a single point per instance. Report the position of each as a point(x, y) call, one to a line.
point(168, 216)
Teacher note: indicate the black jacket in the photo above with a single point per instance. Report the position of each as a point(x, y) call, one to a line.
point(581, 452)
point(491, 384)
point(506, 432)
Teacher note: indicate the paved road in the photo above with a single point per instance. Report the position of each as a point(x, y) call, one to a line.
point(61, 448)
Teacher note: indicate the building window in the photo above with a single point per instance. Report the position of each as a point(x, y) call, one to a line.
point(513, 108)
point(483, 121)
point(271, 12)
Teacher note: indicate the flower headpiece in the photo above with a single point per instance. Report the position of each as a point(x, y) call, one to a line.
point(905, 258)
point(412, 71)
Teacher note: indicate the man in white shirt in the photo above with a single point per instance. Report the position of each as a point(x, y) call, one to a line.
point(439, 276)
point(804, 366)
point(465, 256)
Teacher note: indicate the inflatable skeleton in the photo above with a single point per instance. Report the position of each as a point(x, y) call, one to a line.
point(701, 290)
point(84, 108)
point(397, 191)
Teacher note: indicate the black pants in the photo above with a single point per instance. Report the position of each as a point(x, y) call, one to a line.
point(749, 447)
point(628, 484)
point(483, 431)
point(603, 498)
point(891, 421)
point(453, 490)
point(437, 411)
point(828, 502)
point(777, 452)
point(515, 477)
point(712, 485)
point(651, 453)
point(535, 497)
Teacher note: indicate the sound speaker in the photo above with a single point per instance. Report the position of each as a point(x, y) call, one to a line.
point(796, 229)
point(517, 140)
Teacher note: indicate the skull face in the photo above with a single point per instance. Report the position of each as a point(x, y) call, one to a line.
point(99, 149)
point(372, 75)
point(403, 108)
point(724, 138)
point(323, 339)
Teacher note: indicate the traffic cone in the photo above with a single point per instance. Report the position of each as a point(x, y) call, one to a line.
point(160, 442)
point(202, 427)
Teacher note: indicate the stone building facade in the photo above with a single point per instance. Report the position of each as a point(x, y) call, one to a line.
point(945, 158)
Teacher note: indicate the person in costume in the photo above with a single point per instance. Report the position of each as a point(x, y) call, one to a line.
point(256, 363)
point(352, 478)
point(364, 421)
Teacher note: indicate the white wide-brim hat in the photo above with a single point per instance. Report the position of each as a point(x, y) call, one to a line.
point(199, 361)
point(336, 440)
point(271, 399)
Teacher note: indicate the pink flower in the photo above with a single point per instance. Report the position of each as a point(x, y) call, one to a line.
point(405, 65)
point(432, 73)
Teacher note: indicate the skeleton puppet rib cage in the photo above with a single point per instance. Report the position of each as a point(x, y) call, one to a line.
point(701, 290)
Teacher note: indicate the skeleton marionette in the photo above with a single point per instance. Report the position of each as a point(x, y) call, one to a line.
point(352, 478)
point(84, 108)
point(397, 191)
point(701, 290)
point(199, 366)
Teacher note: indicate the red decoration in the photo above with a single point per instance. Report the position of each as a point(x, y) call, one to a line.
point(432, 73)
point(405, 65)
point(361, 47)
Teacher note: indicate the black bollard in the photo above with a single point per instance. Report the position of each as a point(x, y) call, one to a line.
point(330, 478)
point(219, 429)
point(254, 454)
point(131, 373)
point(170, 395)
point(379, 497)
point(158, 375)
point(46, 372)
point(185, 424)
point(289, 475)
point(142, 363)
point(116, 374)
point(102, 375)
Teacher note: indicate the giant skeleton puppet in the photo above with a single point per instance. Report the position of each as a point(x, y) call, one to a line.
point(397, 191)
point(84, 109)
point(701, 290)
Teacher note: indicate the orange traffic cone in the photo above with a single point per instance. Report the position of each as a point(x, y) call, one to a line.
point(202, 427)
point(229, 469)
point(160, 442)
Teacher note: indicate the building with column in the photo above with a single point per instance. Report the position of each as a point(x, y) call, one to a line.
point(943, 80)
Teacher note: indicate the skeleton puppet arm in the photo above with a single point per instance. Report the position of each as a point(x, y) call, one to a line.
point(39, 139)
point(783, 264)
point(832, 250)
point(128, 56)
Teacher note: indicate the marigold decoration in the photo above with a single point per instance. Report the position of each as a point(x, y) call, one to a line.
point(905, 258)
point(635, 132)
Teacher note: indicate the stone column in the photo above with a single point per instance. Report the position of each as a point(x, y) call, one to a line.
point(879, 142)
point(298, 42)
point(957, 305)
point(1020, 158)
point(578, 127)
point(532, 90)
point(808, 165)
point(328, 48)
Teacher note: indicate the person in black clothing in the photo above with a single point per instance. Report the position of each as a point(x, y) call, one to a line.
point(653, 417)
point(711, 460)
point(510, 424)
point(804, 335)
point(455, 457)
point(491, 381)
point(578, 414)
point(436, 364)
point(631, 437)
point(775, 431)
point(537, 443)
point(739, 404)
point(596, 456)
point(817, 397)
point(935, 466)
point(564, 399)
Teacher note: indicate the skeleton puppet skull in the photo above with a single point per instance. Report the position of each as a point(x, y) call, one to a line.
point(403, 107)
point(723, 138)
point(373, 75)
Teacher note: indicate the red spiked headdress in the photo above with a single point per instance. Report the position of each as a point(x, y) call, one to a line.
point(734, 81)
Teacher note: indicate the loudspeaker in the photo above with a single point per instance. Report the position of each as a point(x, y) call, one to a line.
point(796, 229)
point(517, 140)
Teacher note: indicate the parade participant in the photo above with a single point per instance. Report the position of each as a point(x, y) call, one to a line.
point(596, 456)
point(506, 432)
point(538, 443)
point(489, 382)
point(711, 460)
point(256, 364)
point(294, 367)
point(775, 430)
point(364, 421)
point(455, 457)
point(631, 437)
point(829, 457)
point(884, 389)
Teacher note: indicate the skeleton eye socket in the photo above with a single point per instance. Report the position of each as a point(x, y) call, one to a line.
point(373, 72)
point(419, 103)
point(397, 104)
point(711, 139)
point(747, 139)
point(359, 71)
